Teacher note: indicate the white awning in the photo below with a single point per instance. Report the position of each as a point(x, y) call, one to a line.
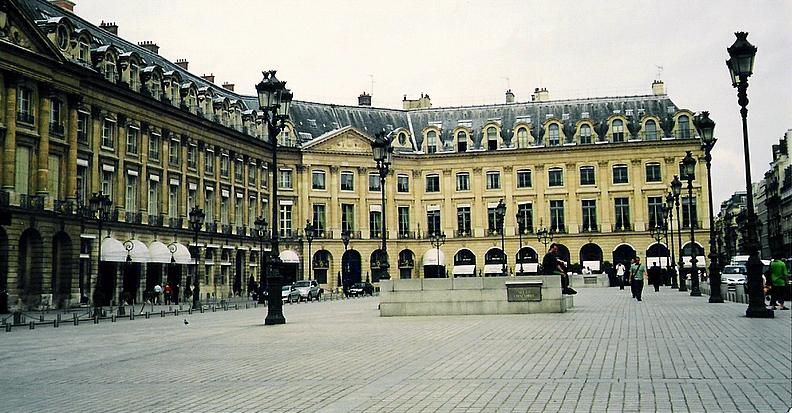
point(113, 250)
point(159, 253)
point(496, 268)
point(430, 257)
point(289, 257)
point(527, 268)
point(595, 265)
point(182, 255)
point(139, 252)
point(464, 270)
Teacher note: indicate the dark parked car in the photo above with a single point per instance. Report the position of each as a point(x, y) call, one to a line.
point(361, 289)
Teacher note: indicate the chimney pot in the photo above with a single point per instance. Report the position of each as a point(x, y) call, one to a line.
point(228, 86)
point(150, 46)
point(67, 5)
point(364, 99)
point(182, 63)
point(109, 27)
point(509, 96)
point(209, 78)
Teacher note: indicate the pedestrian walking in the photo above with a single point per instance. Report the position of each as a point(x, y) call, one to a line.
point(168, 294)
point(779, 278)
point(621, 274)
point(655, 276)
point(637, 271)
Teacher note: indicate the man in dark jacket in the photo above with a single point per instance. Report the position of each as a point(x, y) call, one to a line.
point(655, 276)
point(552, 265)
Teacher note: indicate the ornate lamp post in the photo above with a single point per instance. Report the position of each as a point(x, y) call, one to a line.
point(99, 205)
point(309, 236)
point(274, 100)
point(740, 64)
point(689, 166)
point(383, 156)
point(668, 208)
point(261, 230)
point(437, 239)
point(196, 223)
point(544, 236)
point(705, 127)
point(345, 237)
point(520, 229)
point(500, 213)
point(657, 234)
point(676, 190)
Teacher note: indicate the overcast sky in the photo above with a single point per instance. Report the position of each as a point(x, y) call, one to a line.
point(469, 52)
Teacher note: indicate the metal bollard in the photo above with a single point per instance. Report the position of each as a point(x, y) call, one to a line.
point(55, 322)
point(76, 320)
point(201, 309)
point(131, 315)
point(236, 306)
point(176, 312)
point(162, 313)
point(41, 318)
point(58, 317)
point(112, 318)
point(8, 328)
point(189, 311)
point(32, 325)
point(146, 315)
point(96, 319)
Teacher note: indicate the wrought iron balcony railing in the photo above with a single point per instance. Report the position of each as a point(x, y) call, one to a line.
point(463, 234)
point(406, 234)
point(32, 202)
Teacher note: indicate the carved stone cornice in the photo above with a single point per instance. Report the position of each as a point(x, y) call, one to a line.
point(636, 162)
point(602, 164)
point(508, 169)
point(669, 160)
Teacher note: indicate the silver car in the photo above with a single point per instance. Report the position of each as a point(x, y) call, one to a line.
point(733, 275)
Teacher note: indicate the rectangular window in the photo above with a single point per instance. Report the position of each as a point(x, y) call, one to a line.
point(83, 128)
point(463, 181)
point(463, 222)
point(585, 135)
point(192, 199)
point(318, 180)
point(252, 174)
point(131, 193)
point(374, 182)
point(620, 175)
point(155, 141)
point(285, 180)
point(108, 134)
point(132, 141)
point(404, 221)
point(653, 172)
point(192, 157)
point(224, 165)
point(238, 210)
point(25, 104)
point(432, 183)
point(689, 214)
point(56, 123)
point(433, 222)
point(22, 177)
point(251, 222)
point(224, 216)
point(82, 185)
point(555, 177)
point(589, 215)
point(319, 218)
point(493, 221)
point(347, 181)
point(209, 206)
point(239, 170)
point(264, 176)
point(587, 175)
point(173, 151)
point(622, 210)
point(557, 216)
point(403, 183)
point(286, 220)
point(526, 212)
point(108, 178)
point(493, 180)
point(375, 224)
point(347, 217)
point(524, 179)
point(153, 199)
point(173, 201)
point(655, 211)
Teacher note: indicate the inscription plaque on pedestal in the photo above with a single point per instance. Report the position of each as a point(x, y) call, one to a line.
point(522, 292)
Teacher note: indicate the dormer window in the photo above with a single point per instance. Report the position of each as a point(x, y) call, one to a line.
point(492, 139)
point(585, 134)
point(617, 129)
point(684, 127)
point(431, 141)
point(554, 137)
point(402, 138)
point(522, 137)
point(134, 76)
point(461, 141)
point(63, 37)
point(650, 130)
point(84, 53)
point(109, 68)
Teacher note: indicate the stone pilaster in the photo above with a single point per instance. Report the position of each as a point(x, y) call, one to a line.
point(42, 168)
point(71, 162)
point(9, 146)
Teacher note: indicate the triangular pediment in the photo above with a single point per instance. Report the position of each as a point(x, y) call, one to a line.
point(345, 140)
point(19, 29)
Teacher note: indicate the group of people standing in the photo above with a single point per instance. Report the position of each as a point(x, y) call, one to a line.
point(635, 274)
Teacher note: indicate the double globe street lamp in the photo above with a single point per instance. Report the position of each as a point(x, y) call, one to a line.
point(741, 62)
point(383, 156)
point(261, 230)
point(437, 239)
point(689, 166)
point(669, 208)
point(520, 228)
point(197, 217)
point(500, 214)
point(676, 191)
point(274, 101)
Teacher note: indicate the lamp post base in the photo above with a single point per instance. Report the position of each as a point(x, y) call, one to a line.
point(274, 319)
point(695, 292)
point(759, 313)
point(715, 300)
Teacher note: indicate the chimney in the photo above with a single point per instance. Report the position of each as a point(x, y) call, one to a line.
point(150, 46)
point(658, 88)
point(209, 78)
point(364, 99)
point(540, 95)
point(67, 5)
point(421, 103)
point(509, 96)
point(182, 63)
point(228, 86)
point(109, 27)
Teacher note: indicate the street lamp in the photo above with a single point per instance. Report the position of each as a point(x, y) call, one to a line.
point(261, 229)
point(740, 64)
point(500, 213)
point(676, 190)
point(520, 229)
point(657, 234)
point(668, 210)
point(383, 156)
point(437, 239)
point(100, 204)
point(274, 101)
point(345, 239)
point(706, 127)
point(689, 167)
point(544, 236)
point(309, 236)
point(197, 216)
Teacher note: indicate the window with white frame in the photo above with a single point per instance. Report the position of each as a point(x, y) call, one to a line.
point(493, 180)
point(374, 182)
point(524, 178)
point(285, 179)
point(432, 183)
point(108, 133)
point(403, 183)
point(347, 181)
point(132, 140)
point(463, 181)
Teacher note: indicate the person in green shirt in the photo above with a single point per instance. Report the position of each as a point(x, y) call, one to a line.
point(637, 272)
point(779, 278)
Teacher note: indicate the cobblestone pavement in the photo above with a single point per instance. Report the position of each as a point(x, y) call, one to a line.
point(670, 352)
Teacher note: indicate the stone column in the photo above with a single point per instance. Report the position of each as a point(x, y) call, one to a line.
point(574, 208)
point(96, 143)
point(448, 223)
point(604, 208)
point(42, 168)
point(120, 195)
point(541, 209)
point(9, 146)
point(165, 178)
point(639, 212)
point(333, 210)
point(478, 209)
point(200, 199)
point(232, 199)
point(143, 180)
point(183, 187)
point(510, 220)
point(71, 162)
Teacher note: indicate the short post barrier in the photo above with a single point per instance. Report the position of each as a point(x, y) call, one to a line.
point(8, 328)
point(75, 319)
point(96, 319)
point(146, 315)
point(32, 325)
point(112, 318)
point(56, 322)
point(162, 313)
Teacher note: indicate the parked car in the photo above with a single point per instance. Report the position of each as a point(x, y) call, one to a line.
point(290, 294)
point(361, 289)
point(308, 289)
point(733, 275)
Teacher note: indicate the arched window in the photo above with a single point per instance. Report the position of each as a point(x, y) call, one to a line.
point(522, 137)
point(110, 68)
point(492, 139)
point(585, 134)
point(461, 141)
point(684, 127)
point(617, 130)
point(553, 139)
point(650, 130)
point(431, 141)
